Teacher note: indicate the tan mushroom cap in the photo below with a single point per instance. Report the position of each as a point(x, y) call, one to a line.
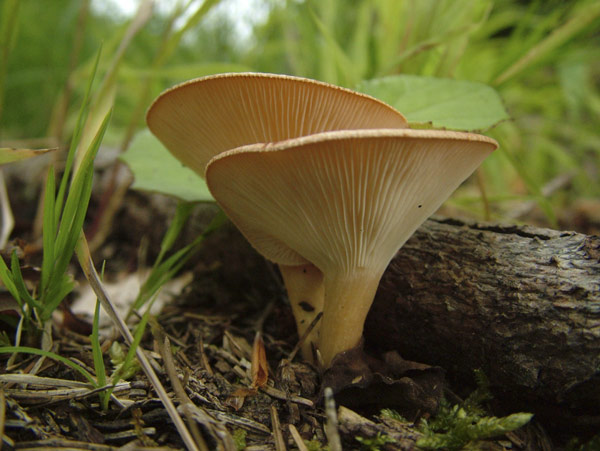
point(201, 118)
point(335, 197)
point(345, 201)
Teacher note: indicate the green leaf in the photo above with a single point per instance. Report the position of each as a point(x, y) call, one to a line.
point(8, 155)
point(155, 169)
point(446, 103)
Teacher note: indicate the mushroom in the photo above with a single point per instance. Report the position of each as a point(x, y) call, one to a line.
point(201, 118)
point(344, 201)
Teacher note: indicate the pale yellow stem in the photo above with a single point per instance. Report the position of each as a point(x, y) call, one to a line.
point(304, 285)
point(348, 298)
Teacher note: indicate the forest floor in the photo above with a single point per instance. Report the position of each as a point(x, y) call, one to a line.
point(211, 315)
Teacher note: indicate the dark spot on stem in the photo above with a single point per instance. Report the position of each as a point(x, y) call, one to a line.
point(306, 306)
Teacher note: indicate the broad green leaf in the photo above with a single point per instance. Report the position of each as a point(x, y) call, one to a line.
point(8, 155)
point(446, 103)
point(155, 169)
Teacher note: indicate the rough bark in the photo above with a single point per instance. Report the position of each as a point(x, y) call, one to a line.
point(520, 303)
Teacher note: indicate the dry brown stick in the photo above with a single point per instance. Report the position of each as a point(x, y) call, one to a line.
point(279, 394)
point(165, 349)
point(306, 333)
point(238, 421)
point(331, 426)
point(204, 358)
point(276, 426)
point(297, 438)
point(2, 416)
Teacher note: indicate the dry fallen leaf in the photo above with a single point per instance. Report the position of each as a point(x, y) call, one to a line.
point(260, 367)
point(237, 398)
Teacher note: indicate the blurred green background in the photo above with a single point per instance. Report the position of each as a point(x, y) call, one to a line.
point(543, 57)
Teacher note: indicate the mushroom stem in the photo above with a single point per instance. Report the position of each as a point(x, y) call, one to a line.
point(348, 298)
point(304, 285)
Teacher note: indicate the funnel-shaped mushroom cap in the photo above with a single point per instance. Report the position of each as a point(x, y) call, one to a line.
point(345, 201)
point(201, 118)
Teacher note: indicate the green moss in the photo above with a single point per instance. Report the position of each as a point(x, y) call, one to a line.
point(315, 445)
point(458, 428)
point(374, 443)
point(239, 437)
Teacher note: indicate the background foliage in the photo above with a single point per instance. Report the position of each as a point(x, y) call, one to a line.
point(542, 56)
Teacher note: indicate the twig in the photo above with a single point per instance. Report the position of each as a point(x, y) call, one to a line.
point(279, 394)
point(2, 416)
point(331, 427)
point(87, 265)
point(306, 333)
point(204, 358)
point(165, 349)
point(297, 438)
point(234, 420)
point(60, 443)
point(50, 396)
point(276, 426)
point(193, 412)
point(41, 381)
point(130, 433)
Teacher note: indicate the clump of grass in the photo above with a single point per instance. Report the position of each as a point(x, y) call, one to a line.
point(64, 213)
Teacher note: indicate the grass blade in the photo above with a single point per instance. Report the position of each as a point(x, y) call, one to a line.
point(48, 230)
point(81, 118)
point(559, 36)
point(164, 271)
point(50, 355)
point(184, 209)
point(7, 280)
point(97, 356)
point(71, 224)
point(19, 282)
point(78, 197)
point(8, 32)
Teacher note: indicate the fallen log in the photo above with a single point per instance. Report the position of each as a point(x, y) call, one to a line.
point(520, 303)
